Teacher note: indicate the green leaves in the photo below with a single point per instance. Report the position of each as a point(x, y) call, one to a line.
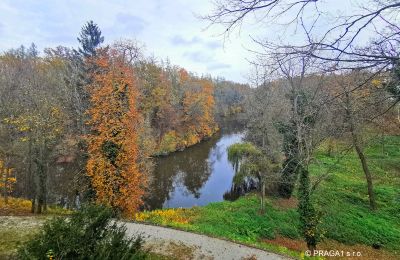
point(86, 234)
point(248, 160)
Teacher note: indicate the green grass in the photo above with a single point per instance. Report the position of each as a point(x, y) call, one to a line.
point(16, 230)
point(342, 197)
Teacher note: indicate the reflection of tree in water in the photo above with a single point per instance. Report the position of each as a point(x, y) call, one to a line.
point(161, 184)
point(189, 168)
point(237, 190)
point(232, 125)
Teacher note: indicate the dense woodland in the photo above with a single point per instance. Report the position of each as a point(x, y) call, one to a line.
point(82, 124)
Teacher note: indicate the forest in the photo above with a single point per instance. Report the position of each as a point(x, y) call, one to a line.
point(303, 161)
point(90, 112)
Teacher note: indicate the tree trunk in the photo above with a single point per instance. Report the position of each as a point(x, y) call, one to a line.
point(312, 248)
point(41, 179)
point(5, 182)
point(5, 175)
point(45, 187)
point(33, 200)
point(360, 153)
point(262, 209)
point(39, 206)
point(367, 173)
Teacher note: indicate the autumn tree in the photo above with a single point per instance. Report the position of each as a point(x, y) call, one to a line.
point(156, 97)
point(7, 180)
point(33, 119)
point(198, 108)
point(112, 144)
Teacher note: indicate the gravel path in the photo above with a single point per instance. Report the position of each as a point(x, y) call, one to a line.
point(185, 245)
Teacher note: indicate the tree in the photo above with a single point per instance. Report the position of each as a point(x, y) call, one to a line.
point(198, 109)
point(112, 144)
point(34, 120)
point(249, 161)
point(7, 180)
point(90, 39)
point(357, 108)
point(89, 233)
point(295, 103)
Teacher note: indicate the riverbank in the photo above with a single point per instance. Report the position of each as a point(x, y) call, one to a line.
point(348, 223)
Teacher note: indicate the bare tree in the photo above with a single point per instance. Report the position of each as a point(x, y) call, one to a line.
point(365, 37)
point(294, 102)
point(340, 42)
point(357, 110)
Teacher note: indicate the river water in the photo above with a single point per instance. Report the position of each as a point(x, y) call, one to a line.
point(196, 176)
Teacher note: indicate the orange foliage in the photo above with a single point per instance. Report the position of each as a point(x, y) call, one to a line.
point(198, 105)
point(112, 146)
point(181, 112)
point(183, 75)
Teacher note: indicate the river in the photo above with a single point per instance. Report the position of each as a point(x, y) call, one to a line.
point(196, 176)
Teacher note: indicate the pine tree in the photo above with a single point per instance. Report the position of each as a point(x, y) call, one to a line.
point(90, 38)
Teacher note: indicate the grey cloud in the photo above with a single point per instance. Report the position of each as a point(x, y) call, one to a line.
point(179, 40)
point(217, 66)
point(206, 58)
point(213, 45)
point(130, 23)
point(198, 56)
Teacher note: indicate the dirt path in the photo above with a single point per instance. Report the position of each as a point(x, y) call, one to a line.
point(185, 245)
point(165, 241)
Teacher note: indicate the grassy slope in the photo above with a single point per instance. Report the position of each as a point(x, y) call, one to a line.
point(342, 197)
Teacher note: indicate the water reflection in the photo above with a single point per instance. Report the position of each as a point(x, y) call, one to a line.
point(196, 176)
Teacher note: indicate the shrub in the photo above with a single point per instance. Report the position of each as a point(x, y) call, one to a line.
point(176, 216)
point(87, 234)
point(168, 143)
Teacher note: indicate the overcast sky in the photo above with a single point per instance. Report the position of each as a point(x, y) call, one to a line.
point(168, 29)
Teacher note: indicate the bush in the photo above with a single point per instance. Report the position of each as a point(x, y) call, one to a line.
point(87, 234)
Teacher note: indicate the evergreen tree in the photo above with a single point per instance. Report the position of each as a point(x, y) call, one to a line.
point(90, 38)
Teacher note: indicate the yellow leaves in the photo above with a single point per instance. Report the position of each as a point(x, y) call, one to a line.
point(24, 128)
point(376, 83)
point(191, 138)
point(47, 123)
point(169, 142)
point(16, 204)
point(55, 112)
point(176, 216)
point(196, 120)
point(7, 179)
